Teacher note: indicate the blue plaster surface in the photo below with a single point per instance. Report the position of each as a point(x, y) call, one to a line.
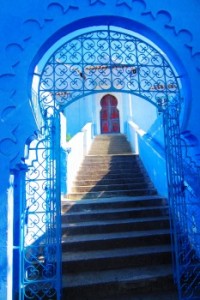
point(78, 114)
point(29, 28)
point(153, 158)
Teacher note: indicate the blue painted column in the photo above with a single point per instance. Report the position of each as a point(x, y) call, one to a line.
point(4, 185)
point(19, 198)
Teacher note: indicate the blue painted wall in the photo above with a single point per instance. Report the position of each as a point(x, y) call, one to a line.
point(78, 114)
point(29, 28)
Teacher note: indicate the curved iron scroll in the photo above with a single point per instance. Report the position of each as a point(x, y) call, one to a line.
point(112, 61)
point(183, 178)
point(40, 221)
point(106, 60)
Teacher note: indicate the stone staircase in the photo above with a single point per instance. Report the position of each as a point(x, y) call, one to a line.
point(111, 169)
point(115, 230)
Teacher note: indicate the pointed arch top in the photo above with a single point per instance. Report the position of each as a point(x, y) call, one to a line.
point(107, 59)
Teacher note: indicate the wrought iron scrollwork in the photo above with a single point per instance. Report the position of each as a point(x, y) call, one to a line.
point(110, 61)
point(40, 239)
point(106, 60)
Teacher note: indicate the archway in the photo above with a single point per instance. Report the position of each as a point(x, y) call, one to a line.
point(109, 115)
point(105, 60)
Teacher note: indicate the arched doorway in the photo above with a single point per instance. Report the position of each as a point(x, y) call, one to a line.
point(109, 115)
point(104, 60)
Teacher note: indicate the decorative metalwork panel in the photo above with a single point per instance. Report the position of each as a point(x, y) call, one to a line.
point(189, 254)
point(40, 223)
point(184, 194)
point(112, 61)
point(106, 60)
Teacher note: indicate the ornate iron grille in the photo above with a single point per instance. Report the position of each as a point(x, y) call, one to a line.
point(106, 60)
point(40, 224)
point(112, 61)
point(183, 177)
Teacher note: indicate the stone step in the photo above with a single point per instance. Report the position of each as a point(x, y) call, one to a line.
point(121, 143)
point(104, 174)
point(110, 181)
point(107, 194)
point(117, 202)
point(113, 213)
point(111, 165)
point(109, 187)
point(171, 294)
point(115, 150)
point(109, 136)
point(108, 226)
point(107, 169)
point(111, 139)
point(112, 158)
point(115, 240)
point(116, 236)
point(106, 147)
point(121, 257)
point(90, 285)
point(113, 144)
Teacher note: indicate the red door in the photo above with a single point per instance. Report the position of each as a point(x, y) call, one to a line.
point(109, 115)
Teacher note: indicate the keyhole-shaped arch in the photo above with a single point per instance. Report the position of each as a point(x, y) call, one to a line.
point(107, 60)
point(109, 114)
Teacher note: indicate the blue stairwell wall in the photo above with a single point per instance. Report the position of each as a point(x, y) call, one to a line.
point(29, 28)
point(150, 148)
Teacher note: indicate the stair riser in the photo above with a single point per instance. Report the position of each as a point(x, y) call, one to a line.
point(107, 194)
point(125, 173)
point(117, 146)
point(112, 159)
point(116, 243)
point(134, 233)
point(92, 205)
point(112, 169)
point(139, 226)
point(103, 149)
point(111, 142)
point(101, 216)
point(115, 165)
point(110, 152)
point(115, 288)
point(121, 262)
point(111, 187)
point(121, 180)
point(88, 175)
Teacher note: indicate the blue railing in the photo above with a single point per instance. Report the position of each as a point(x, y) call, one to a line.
point(40, 224)
point(184, 202)
point(188, 255)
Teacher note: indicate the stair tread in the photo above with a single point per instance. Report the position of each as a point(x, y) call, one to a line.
point(69, 256)
point(121, 275)
point(113, 235)
point(116, 239)
point(114, 184)
point(115, 210)
point(114, 222)
point(111, 166)
point(109, 181)
point(114, 199)
point(109, 170)
point(125, 154)
point(113, 191)
point(166, 295)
